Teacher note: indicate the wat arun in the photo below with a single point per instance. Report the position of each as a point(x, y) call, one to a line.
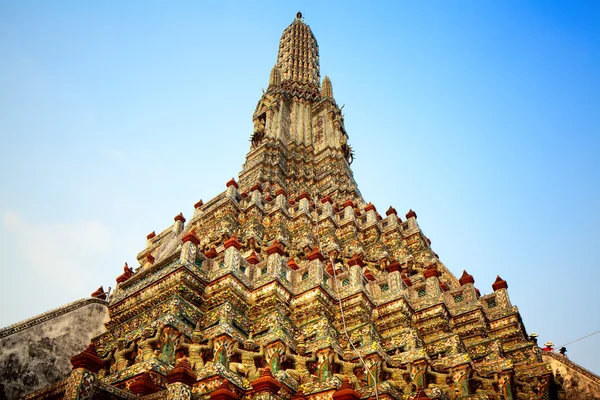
point(290, 285)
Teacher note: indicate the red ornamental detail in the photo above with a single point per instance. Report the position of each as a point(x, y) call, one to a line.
point(212, 253)
point(431, 271)
point(406, 280)
point(391, 211)
point(369, 275)
point(370, 207)
point(144, 385)
point(223, 392)
point(244, 195)
point(348, 203)
point(393, 266)
point(356, 260)
point(150, 258)
point(233, 242)
point(280, 191)
point(179, 217)
point(477, 292)
point(253, 259)
point(444, 286)
point(411, 214)
point(421, 395)
point(182, 373)
point(303, 195)
point(315, 254)
point(266, 382)
point(499, 284)
point(191, 237)
point(88, 360)
point(233, 183)
point(275, 248)
point(466, 278)
point(299, 395)
point(127, 272)
point(151, 235)
point(199, 204)
point(268, 198)
point(293, 264)
point(346, 392)
point(99, 293)
point(324, 200)
point(256, 187)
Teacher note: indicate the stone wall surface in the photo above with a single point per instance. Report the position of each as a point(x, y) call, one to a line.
point(573, 382)
point(36, 352)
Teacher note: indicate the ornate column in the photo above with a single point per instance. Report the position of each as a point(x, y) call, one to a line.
point(181, 379)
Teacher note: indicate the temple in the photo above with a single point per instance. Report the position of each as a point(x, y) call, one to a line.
point(289, 285)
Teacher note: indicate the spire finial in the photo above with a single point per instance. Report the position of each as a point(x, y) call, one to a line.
point(298, 15)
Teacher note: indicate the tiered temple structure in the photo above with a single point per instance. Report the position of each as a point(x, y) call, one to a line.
point(289, 285)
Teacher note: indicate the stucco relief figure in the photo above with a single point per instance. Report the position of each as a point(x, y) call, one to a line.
point(347, 367)
point(300, 371)
point(147, 343)
point(195, 349)
point(259, 131)
point(396, 376)
point(121, 355)
point(247, 367)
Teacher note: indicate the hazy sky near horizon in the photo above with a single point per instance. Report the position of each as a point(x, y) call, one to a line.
point(482, 116)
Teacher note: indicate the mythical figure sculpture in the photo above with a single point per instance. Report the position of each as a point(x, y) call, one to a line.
point(195, 349)
point(120, 355)
point(147, 343)
point(300, 371)
point(347, 367)
point(247, 368)
point(396, 376)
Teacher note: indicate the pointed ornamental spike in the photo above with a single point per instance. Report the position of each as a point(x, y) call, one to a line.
point(275, 248)
point(499, 284)
point(346, 392)
point(253, 258)
point(150, 258)
point(179, 217)
point(406, 280)
point(191, 237)
point(316, 254)
point(370, 207)
point(233, 242)
point(391, 211)
point(88, 360)
point(212, 253)
point(293, 264)
point(151, 235)
point(223, 392)
point(232, 182)
point(368, 274)
point(303, 195)
point(431, 271)
point(466, 278)
point(299, 394)
point(356, 260)
point(393, 266)
point(182, 373)
point(411, 214)
point(199, 204)
point(256, 187)
point(326, 87)
point(99, 293)
point(266, 382)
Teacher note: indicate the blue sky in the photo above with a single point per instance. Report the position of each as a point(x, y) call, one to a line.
point(481, 116)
